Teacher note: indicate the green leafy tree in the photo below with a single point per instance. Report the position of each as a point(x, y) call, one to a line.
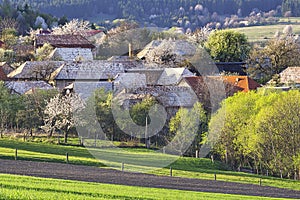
point(259, 130)
point(139, 112)
point(43, 53)
point(227, 46)
point(31, 115)
point(277, 127)
point(187, 128)
point(9, 37)
point(9, 105)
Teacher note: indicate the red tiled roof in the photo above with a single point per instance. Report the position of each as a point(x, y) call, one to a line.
point(203, 86)
point(244, 83)
point(67, 41)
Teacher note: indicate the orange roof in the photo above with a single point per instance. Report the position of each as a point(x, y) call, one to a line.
point(243, 83)
point(232, 84)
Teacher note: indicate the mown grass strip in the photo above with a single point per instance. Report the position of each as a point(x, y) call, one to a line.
point(182, 167)
point(25, 187)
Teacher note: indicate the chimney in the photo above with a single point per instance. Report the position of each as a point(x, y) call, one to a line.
point(130, 50)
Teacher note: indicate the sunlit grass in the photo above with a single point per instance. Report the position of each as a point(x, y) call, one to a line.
point(25, 187)
point(264, 33)
point(135, 159)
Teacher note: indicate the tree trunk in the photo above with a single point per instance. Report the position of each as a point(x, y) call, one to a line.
point(66, 137)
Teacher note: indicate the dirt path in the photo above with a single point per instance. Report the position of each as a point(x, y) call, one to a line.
point(93, 174)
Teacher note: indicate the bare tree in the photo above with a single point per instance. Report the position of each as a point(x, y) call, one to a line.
point(278, 54)
point(43, 71)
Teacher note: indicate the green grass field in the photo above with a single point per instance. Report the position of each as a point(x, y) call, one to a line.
point(263, 33)
point(182, 167)
point(293, 20)
point(25, 187)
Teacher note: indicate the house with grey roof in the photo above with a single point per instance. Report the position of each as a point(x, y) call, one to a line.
point(85, 89)
point(88, 71)
point(290, 75)
point(67, 47)
point(151, 75)
point(35, 70)
point(71, 54)
point(26, 87)
point(172, 76)
point(63, 41)
point(129, 81)
point(177, 47)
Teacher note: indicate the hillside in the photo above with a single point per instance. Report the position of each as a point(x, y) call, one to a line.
point(264, 33)
point(162, 12)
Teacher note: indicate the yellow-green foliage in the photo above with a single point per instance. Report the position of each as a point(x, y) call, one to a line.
point(44, 52)
point(261, 129)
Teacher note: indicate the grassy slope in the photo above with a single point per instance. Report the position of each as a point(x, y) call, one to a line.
point(183, 167)
point(24, 187)
point(263, 33)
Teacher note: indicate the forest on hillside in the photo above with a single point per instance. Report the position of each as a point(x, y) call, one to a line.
point(186, 14)
point(144, 9)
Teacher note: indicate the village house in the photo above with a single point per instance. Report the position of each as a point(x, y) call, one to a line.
point(177, 47)
point(290, 76)
point(87, 71)
point(211, 90)
point(67, 47)
point(34, 71)
point(26, 87)
point(94, 36)
point(85, 89)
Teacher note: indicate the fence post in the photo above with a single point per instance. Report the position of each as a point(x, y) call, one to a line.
point(81, 141)
point(260, 182)
point(215, 176)
point(122, 167)
point(16, 154)
point(171, 171)
point(267, 172)
point(281, 176)
point(197, 154)
point(67, 157)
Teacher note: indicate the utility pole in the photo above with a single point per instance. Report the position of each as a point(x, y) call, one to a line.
point(146, 134)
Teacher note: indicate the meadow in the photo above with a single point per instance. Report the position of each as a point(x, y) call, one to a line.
point(182, 167)
point(25, 187)
point(262, 34)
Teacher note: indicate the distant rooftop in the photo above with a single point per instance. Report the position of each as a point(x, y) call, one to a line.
point(68, 41)
point(290, 75)
point(23, 87)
